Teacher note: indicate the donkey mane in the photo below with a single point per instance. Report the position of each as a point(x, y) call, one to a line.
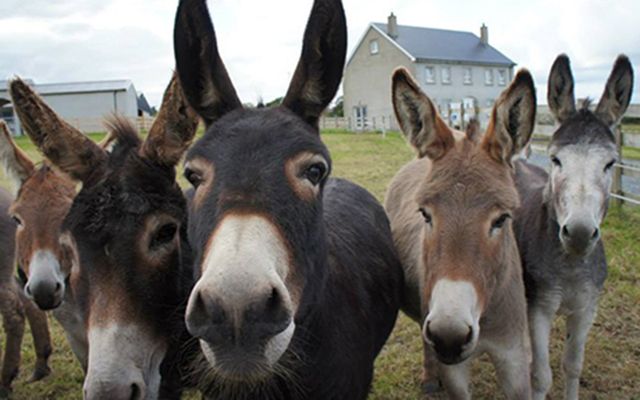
point(124, 135)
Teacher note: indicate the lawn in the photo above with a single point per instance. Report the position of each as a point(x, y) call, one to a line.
point(612, 365)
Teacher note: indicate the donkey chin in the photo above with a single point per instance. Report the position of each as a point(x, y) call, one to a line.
point(248, 363)
point(452, 326)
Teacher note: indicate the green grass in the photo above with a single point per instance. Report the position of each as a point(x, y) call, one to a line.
point(612, 363)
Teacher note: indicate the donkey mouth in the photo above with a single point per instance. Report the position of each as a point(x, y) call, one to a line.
point(237, 364)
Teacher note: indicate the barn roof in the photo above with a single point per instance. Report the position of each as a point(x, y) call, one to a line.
point(77, 87)
point(444, 45)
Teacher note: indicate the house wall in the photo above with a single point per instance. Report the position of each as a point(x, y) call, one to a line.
point(367, 80)
point(443, 93)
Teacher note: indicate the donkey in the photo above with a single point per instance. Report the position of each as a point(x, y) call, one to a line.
point(450, 212)
point(14, 307)
point(558, 224)
point(126, 232)
point(43, 200)
point(299, 283)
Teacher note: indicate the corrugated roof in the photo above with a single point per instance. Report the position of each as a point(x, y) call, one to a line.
point(76, 87)
point(83, 87)
point(445, 45)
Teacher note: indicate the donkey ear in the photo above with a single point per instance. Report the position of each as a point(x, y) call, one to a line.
point(512, 119)
point(560, 89)
point(319, 70)
point(16, 163)
point(617, 93)
point(173, 129)
point(204, 78)
point(418, 118)
point(66, 147)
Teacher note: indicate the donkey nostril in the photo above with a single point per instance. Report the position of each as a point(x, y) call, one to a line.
point(27, 289)
point(58, 287)
point(428, 332)
point(136, 392)
point(274, 300)
point(469, 336)
point(596, 233)
point(565, 231)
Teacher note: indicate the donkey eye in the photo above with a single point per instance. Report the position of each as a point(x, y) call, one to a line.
point(609, 165)
point(164, 235)
point(498, 223)
point(427, 217)
point(193, 177)
point(556, 161)
point(315, 172)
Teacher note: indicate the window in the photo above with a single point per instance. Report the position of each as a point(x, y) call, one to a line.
point(429, 74)
point(488, 76)
point(490, 102)
point(467, 76)
point(446, 75)
point(502, 77)
point(373, 47)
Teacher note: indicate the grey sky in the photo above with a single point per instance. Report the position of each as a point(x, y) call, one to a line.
point(75, 40)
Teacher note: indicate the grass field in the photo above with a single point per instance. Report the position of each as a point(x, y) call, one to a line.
point(612, 365)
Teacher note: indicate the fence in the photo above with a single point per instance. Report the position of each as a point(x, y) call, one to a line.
point(622, 169)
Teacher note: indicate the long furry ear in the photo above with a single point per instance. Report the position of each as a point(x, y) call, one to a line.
point(512, 119)
point(65, 146)
point(418, 117)
point(319, 70)
point(174, 127)
point(16, 163)
point(560, 89)
point(617, 92)
point(204, 78)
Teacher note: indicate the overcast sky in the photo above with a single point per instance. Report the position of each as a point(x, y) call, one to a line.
point(260, 41)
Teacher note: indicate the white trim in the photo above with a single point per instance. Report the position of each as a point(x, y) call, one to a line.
point(384, 35)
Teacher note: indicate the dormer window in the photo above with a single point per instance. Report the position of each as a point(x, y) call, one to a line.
point(373, 47)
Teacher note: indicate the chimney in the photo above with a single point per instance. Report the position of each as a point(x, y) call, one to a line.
point(484, 34)
point(392, 26)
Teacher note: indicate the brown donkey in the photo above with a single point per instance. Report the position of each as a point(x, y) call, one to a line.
point(450, 213)
point(13, 305)
point(43, 200)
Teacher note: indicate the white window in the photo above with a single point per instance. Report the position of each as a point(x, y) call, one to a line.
point(488, 76)
point(467, 77)
point(430, 74)
point(502, 77)
point(373, 47)
point(446, 75)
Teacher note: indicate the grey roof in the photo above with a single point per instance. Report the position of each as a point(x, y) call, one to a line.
point(77, 87)
point(143, 104)
point(445, 45)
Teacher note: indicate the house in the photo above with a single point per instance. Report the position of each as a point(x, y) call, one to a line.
point(83, 104)
point(461, 72)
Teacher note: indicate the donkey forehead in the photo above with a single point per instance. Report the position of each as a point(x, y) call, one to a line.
point(247, 134)
point(468, 179)
point(584, 151)
point(583, 128)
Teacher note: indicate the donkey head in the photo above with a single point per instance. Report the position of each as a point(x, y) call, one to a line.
point(466, 201)
point(43, 199)
point(583, 152)
point(257, 209)
point(124, 228)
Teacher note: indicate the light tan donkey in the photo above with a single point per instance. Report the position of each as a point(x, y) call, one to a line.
point(450, 212)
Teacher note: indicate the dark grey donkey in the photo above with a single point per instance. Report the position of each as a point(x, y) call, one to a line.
point(558, 225)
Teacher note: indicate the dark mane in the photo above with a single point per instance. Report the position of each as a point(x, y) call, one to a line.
point(123, 134)
point(586, 104)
